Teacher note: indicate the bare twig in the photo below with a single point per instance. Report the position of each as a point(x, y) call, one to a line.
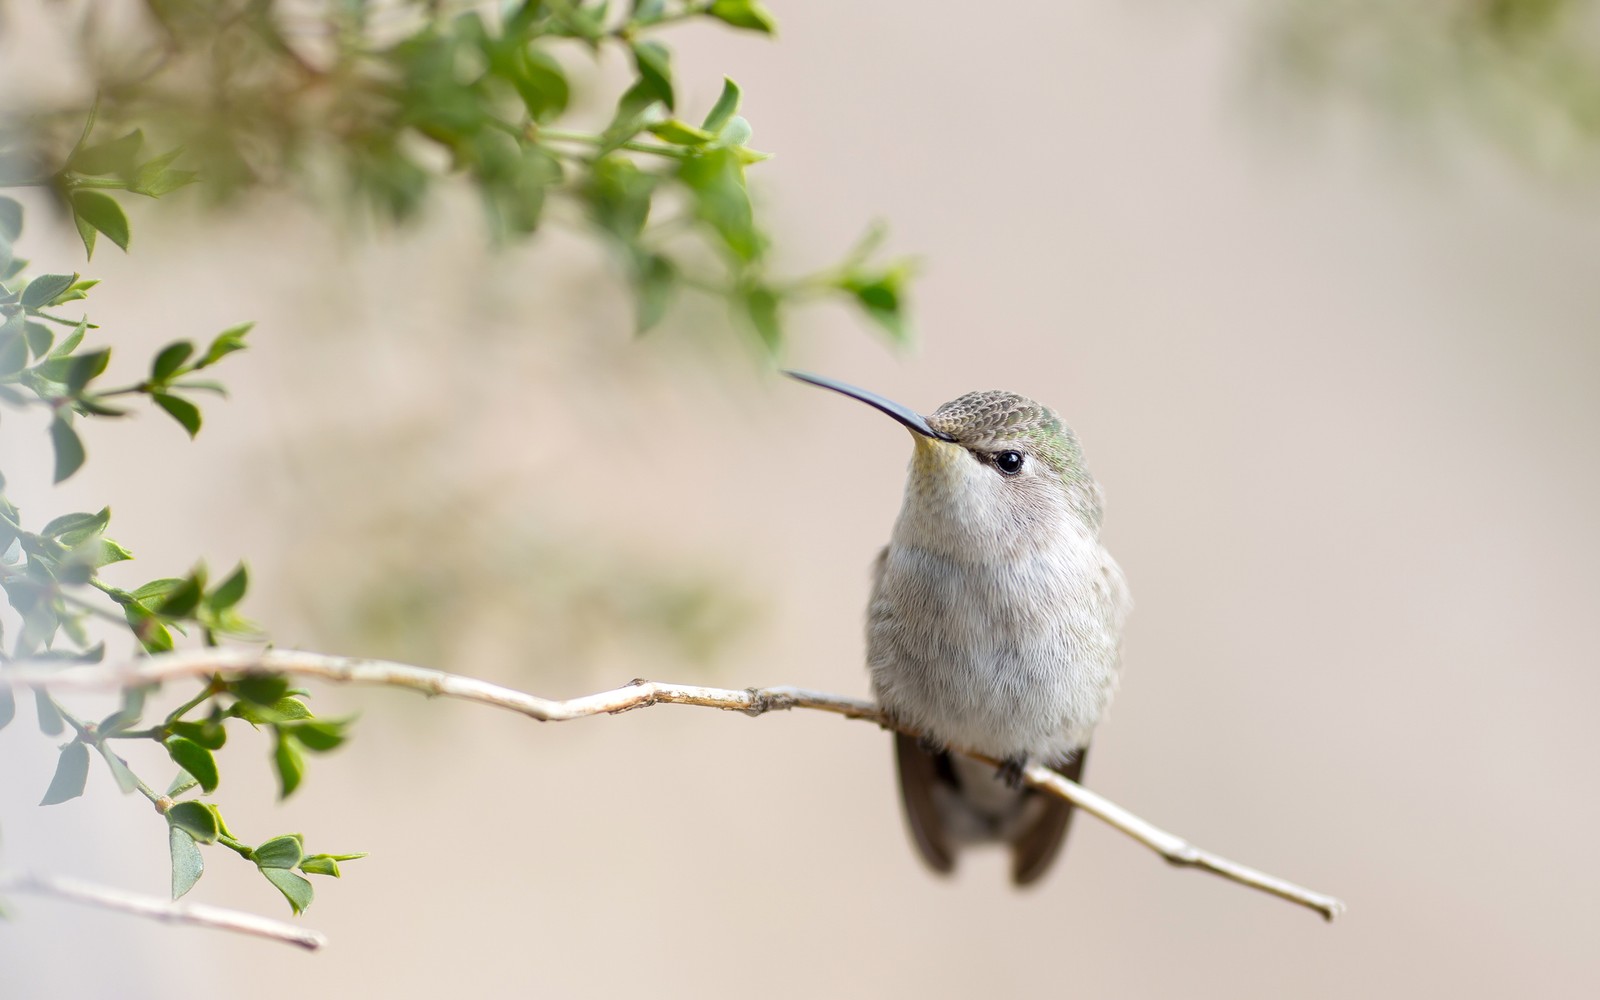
point(167, 911)
point(640, 694)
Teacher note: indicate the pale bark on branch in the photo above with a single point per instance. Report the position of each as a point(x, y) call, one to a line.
point(201, 664)
point(165, 910)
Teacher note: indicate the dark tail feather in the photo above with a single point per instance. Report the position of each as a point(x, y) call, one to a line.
point(1036, 846)
point(920, 773)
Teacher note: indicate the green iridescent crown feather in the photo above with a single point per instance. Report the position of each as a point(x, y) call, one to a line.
point(993, 420)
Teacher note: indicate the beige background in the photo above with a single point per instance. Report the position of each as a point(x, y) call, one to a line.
point(1344, 404)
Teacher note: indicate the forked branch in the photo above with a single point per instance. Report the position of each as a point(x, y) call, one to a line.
point(201, 664)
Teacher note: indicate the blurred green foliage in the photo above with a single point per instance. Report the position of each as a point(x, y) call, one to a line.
point(387, 100)
point(1524, 74)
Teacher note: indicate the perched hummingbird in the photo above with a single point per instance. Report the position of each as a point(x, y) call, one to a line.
point(995, 622)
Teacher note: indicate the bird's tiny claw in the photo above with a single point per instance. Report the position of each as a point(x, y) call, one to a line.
point(1010, 771)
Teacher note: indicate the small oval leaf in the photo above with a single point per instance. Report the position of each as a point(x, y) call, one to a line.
point(294, 888)
point(102, 212)
point(197, 819)
point(72, 770)
point(187, 863)
point(279, 852)
point(195, 759)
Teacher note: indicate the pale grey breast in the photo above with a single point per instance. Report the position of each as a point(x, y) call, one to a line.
point(1010, 659)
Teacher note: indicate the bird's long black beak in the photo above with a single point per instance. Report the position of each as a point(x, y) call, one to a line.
point(905, 415)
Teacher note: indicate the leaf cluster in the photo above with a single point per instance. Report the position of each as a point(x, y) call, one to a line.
point(191, 735)
point(483, 97)
point(51, 575)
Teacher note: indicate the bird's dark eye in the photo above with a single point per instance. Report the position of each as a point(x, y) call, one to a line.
point(1009, 462)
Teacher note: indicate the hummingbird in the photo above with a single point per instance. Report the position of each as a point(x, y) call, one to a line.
point(994, 625)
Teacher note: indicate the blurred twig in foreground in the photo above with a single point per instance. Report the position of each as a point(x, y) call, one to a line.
point(166, 911)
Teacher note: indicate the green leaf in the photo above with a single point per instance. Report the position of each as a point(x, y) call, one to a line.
point(289, 710)
point(208, 733)
point(195, 759)
point(280, 852)
point(156, 178)
point(320, 864)
point(652, 61)
point(294, 888)
point(226, 342)
point(10, 219)
point(39, 338)
point(101, 212)
point(187, 863)
point(260, 689)
point(181, 410)
point(230, 591)
point(79, 290)
point(72, 770)
point(151, 633)
point(680, 133)
point(126, 781)
point(282, 710)
point(115, 157)
point(744, 14)
point(8, 705)
point(102, 552)
point(318, 735)
point(716, 177)
point(727, 104)
point(881, 296)
point(68, 449)
point(85, 368)
point(289, 764)
point(50, 721)
point(629, 117)
point(74, 529)
point(180, 601)
point(170, 360)
point(75, 338)
point(760, 305)
point(619, 196)
point(181, 782)
point(128, 713)
point(157, 591)
point(13, 346)
point(542, 85)
point(87, 233)
point(42, 291)
point(197, 819)
point(655, 280)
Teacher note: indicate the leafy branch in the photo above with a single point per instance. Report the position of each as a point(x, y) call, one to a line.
point(52, 578)
point(484, 97)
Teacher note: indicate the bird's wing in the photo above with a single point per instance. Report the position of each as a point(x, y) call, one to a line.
point(920, 775)
point(1036, 845)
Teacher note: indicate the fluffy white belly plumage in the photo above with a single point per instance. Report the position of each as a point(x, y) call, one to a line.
point(1013, 659)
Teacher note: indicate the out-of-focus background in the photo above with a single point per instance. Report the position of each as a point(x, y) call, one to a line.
point(1337, 372)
